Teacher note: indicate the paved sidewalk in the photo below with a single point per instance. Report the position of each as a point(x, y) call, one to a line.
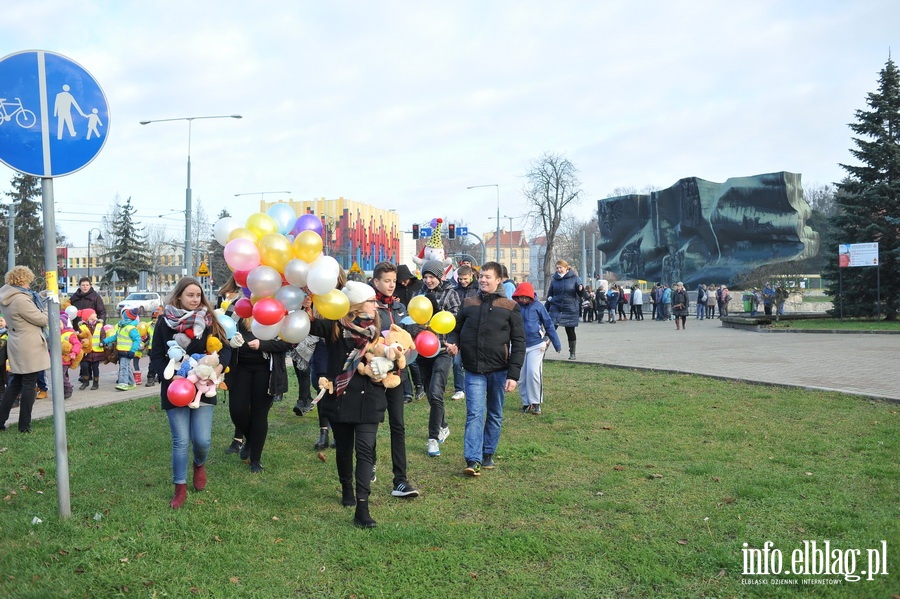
point(861, 364)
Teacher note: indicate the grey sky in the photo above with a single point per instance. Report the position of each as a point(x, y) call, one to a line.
point(405, 104)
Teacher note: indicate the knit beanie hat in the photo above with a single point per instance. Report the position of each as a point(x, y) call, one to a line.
point(63, 319)
point(87, 314)
point(129, 314)
point(434, 267)
point(358, 292)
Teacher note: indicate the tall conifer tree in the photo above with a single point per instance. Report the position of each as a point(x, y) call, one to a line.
point(868, 202)
point(128, 251)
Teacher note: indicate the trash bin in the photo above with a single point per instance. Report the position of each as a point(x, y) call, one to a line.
point(748, 302)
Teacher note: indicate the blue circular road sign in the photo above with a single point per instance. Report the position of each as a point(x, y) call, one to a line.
point(54, 118)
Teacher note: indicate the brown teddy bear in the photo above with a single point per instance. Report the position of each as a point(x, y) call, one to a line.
point(386, 355)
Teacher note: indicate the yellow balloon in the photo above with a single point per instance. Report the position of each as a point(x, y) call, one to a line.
point(262, 224)
point(142, 329)
point(443, 322)
point(333, 305)
point(224, 305)
point(307, 246)
point(275, 250)
point(242, 233)
point(420, 309)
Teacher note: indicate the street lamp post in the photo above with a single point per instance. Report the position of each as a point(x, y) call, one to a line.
point(510, 246)
point(99, 238)
point(261, 194)
point(187, 202)
point(497, 233)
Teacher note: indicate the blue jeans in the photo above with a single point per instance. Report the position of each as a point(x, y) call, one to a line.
point(459, 375)
point(126, 374)
point(484, 413)
point(189, 427)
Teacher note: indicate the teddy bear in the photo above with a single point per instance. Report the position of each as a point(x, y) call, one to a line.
point(386, 354)
point(204, 376)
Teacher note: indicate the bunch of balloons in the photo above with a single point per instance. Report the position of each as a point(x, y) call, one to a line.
point(422, 312)
point(277, 260)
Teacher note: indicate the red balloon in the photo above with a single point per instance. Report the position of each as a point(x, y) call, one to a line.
point(243, 307)
point(268, 311)
point(240, 277)
point(427, 344)
point(181, 392)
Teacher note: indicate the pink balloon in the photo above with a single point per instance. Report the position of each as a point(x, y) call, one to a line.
point(243, 308)
point(181, 392)
point(241, 254)
point(268, 311)
point(240, 277)
point(427, 344)
point(307, 222)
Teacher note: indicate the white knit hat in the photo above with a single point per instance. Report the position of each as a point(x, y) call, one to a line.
point(358, 292)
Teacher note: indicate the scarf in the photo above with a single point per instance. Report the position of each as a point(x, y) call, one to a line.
point(360, 336)
point(387, 300)
point(183, 320)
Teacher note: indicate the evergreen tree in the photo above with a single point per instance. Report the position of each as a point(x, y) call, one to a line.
point(218, 268)
point(29, 232)
point(868, 203)
point(128, 252)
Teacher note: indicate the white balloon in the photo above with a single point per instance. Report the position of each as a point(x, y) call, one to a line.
point(263, 281)
point(296, 271)
point(290, 297)
point(320, 280)
point(326, 262)
point(266, 332)
point(223, 228)
point(71, 312)
point(295, 327)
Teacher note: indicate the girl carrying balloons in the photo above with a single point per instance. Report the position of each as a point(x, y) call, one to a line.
point(188, 320)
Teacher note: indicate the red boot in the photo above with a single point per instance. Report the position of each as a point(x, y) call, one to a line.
point(180, 496)
point(199, 476)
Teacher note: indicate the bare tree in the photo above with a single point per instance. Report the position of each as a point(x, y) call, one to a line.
point(552, 185)
point(821, 198)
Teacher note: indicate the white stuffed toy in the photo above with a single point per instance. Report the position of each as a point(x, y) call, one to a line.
point(176, 357)
point(205, 377)
point(434, 249)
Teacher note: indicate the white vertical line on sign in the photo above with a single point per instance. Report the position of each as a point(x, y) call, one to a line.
point(45, 113)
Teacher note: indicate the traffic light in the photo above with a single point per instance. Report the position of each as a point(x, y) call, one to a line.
point(451, 231)
point(415, 231)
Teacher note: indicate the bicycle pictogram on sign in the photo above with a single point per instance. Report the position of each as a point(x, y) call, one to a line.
point(24, 117)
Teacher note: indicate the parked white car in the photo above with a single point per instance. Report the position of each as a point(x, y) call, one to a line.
point(144, 302)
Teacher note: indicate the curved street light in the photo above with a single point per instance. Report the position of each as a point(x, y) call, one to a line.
point(99, 238)
point(187, 210)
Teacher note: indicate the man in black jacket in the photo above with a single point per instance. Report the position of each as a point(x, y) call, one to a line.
point(492, 342)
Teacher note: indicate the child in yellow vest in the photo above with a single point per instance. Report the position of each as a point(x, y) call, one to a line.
point(71, 346)
point(91, 333)
point(128, 342)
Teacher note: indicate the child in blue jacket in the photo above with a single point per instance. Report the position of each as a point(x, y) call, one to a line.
point(539, 333)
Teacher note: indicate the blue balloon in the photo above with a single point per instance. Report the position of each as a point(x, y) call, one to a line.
point(284, 216)
point(407, 320)
point(228, 325)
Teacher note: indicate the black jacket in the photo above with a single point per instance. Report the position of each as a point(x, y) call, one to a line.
point(363, 401)
point(491, 334)
point(272, 352)
point(91, 300)
point(162, 334)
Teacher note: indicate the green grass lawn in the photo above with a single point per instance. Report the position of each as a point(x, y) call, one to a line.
point(631, 484)
point(848, 324)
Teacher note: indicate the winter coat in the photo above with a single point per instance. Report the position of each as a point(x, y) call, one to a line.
point(91, 300)
point(443, 298)
point(612, 300)
point(27, 347)
point(680, 298)
point(491, 334)
point(364, 400)
point(534, 318)
point(564, 299)
point(162, 334)
point(272, 352)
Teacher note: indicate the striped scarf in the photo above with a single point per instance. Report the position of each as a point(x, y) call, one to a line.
point(360, 334)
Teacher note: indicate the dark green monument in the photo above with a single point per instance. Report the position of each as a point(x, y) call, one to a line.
point(699, 231)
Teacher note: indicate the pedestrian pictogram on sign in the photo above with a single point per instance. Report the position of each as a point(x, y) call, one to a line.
point(203, 270)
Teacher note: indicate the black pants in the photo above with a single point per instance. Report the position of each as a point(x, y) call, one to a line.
point(89, 370)
point(638, 311)
point(249, 405)
point(360, 437)
point(22, 386)
point(304, 380)
point(396, 404)
point(435, 372)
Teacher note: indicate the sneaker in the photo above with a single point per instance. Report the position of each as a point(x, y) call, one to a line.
point(130, 387)
point(459, 395)
point(472, 469)
point(535, 408)
point(277, 397)
point(234, 447)
point(525, 409)
point(244, 452)
point(433, 448)
point(420, 393)
point(407, 399)
point(404, 490)
point(122, 387)
point(488, 461)
point(443, 434)
point(42, 394)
